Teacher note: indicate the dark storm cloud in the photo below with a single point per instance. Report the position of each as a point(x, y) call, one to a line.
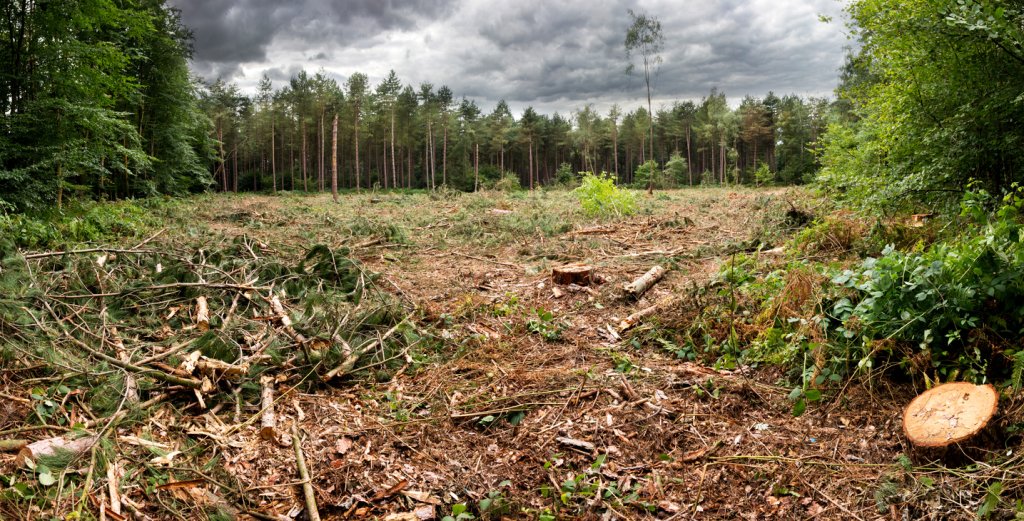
point(235, 31)
point(553, 55)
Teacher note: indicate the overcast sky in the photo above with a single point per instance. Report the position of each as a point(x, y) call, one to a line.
point(556, 55)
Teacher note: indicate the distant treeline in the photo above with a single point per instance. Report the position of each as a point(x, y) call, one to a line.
point(96, 101)
point(394, 135)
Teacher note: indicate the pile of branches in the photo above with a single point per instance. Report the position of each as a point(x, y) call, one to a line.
point(208, 328)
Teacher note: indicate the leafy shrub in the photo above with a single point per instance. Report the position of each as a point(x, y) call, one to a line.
point(91, 222)
point(599, 196)
point(676, 171)
point(564, 176)
point(947, 306)
point(645, 172)
point(508, 182)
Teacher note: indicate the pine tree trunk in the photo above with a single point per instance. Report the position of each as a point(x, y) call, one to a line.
point(334, 158)
point(273, 155)
point(444, 157)
point(305, 177)
point(358, 173)
point(476, 167)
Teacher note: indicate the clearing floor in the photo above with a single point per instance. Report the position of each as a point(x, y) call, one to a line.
point(531, 401)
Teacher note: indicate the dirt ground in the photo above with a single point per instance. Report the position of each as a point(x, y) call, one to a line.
point(537, 406)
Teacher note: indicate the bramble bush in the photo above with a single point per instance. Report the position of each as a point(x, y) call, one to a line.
point(954, 307)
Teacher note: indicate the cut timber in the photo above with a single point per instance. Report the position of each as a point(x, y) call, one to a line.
point(53, 446)
point(949, 413)
point(202, 314)
point(268, 421)
point(131, 386)
point(638, 317)
point(580, 274)
point(640, 286)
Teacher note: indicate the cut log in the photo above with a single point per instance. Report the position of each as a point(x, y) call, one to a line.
point(640, 286)
point(268, 422)
point(54, 446)
point(580, 274)
point(202, 314)
point(949, 413)
point(638, 317)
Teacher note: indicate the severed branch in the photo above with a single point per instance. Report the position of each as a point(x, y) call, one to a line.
point(312, 513)
point(640, 286)
point(268, 420)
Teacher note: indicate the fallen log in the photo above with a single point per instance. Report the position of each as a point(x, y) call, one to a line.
point(579, 274)
point(640, 286)
point(268, 421)
point(53, 446)
point(632, 320)
point(12, 445)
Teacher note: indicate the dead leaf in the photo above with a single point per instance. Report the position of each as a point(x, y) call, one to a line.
point(421, 496)
point(391, 491)
point(181, 484)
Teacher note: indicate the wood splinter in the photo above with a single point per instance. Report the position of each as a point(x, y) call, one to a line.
point(202, 314)
point(640, 286)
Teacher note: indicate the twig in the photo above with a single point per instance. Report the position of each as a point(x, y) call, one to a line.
point(312, 513)
point(150, 238)
point(482, 259)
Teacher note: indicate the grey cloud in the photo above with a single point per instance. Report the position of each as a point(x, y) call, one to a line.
point(553, 55)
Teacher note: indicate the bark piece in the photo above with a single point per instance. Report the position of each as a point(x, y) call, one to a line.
point(268, 421)
point(52, 446)
point(640, 286)
point(949, 413)
point(202, 314)
point(580, 274)
point(585, 446)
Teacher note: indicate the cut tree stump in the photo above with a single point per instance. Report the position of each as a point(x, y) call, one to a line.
point(949, 413)
point(579, 274)
point(640, 286)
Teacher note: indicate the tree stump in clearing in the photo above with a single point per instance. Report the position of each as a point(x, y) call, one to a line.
point(579, 274)
point(949, 414)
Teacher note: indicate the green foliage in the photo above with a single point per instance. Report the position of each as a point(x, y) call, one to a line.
point(947, 300)
point(599, 197)
point(935, 101)
point(645, 173)
point(676, 173)
point(82, 223)
point(545, 325)
point(565, 176)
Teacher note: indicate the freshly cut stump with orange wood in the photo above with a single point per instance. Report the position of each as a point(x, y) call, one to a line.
point(949, 413)
point(579, 274)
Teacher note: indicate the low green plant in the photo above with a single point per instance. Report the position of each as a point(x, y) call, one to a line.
point(599, 197)
point(545, 325)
